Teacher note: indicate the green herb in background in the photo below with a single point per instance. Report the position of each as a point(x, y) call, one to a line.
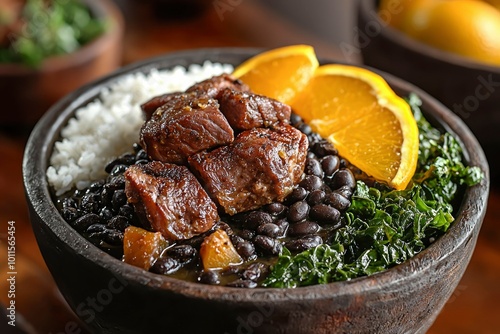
point(51, 28)
point(385, 227)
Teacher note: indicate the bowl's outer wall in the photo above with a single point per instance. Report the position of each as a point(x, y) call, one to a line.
point(112, 297)
point(470, 90)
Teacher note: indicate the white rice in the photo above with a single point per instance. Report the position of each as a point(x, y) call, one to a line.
point(109, 126)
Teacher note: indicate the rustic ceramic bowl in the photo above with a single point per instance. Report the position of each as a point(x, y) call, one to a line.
point(470, 89)
point(113, 297)
point(27, 93)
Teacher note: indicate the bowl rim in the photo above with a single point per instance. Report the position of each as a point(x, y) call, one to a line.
point(102, 8)
point(46, 132)
point(369, 10)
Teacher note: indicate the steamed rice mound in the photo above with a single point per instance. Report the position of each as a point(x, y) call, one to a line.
point(109, 126)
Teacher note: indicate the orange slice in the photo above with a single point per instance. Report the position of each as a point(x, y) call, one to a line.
point(279, 73)
point(367, 122)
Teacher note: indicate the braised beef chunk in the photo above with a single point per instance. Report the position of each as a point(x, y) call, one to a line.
point(245, 111)
point(149, 107)
point(259, 167)
point(185, 125)
point(171, 199)
point(215, 85)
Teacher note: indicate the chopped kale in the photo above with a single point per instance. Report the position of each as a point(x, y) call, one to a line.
point(385, 227)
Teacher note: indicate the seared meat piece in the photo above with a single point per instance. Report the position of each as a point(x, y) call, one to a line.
point(215, 85)
point(185, 125)
point(149, 107)
point(259, 167)
point(171, 199)
point(245, 111)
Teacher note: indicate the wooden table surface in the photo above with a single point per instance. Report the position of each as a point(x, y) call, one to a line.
point(473, 308)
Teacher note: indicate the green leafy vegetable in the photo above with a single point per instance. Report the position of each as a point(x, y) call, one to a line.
point(385, 227)
point(49, 28)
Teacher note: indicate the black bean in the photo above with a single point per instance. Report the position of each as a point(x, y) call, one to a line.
point(345, 191)
point(344, 163)
point(165, 266)
point(303, 228)
point(118, 181)
point(338, 201)
point(276, 209)
point(325, 213)
point(306, 129)
point(118, 169)
point(118, 199)
point(69, 202)
point(316, 197)
point(313, 167)
point(304, 243)
point(107, 194)
point(240, 283)
point(141, 155)
point(85, 221)
point(70, 214)
point(298, 211)
point(106, 214)
point(256, 218)
point(112, 237)
point(283, 225)
point(311, 182)
point(183, 253)
point(95, 228)
point(247, 234)
point(330, 164)
point(90, 203)
point(231, 270)
point(269, 229)
point(141, 162)
point(314, 138)
point(295, 119)
point(297, 194)
point(246, 249)
point(126, 211)
point(209, 277)
point(95, 187)
point(311, 155)
point(323, 148)
point(343, 177)
point(119, 223)
point(268, 245)
point(137, 147)
point(253, 271)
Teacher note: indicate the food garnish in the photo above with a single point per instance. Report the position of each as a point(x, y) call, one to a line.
point(279, 73)
point(385, 227)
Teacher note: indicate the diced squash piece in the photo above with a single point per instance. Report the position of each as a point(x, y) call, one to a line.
point(217, 251)
point(141, 248)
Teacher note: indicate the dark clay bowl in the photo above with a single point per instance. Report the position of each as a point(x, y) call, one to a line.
point(469, 88)
point(113, 297)
point(26, 93)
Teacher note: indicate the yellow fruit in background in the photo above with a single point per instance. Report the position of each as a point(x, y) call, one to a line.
point(470, 28)
point(396, 12)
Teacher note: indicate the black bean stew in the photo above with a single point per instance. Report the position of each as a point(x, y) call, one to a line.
point(306, 218)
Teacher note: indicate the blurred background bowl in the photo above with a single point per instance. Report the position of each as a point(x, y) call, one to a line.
point(26, 93)
point(470, 89)
point(403, 299)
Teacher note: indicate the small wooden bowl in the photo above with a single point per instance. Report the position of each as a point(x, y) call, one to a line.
point(111, 296)
point(27, 93)
point(470, 89)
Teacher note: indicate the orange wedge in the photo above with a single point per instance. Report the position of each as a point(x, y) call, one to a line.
point(368, 123)
point(279, 73)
